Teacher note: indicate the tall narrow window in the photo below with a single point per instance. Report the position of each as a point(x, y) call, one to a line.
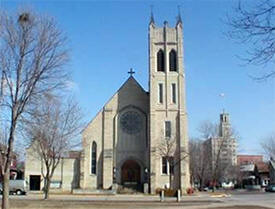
point(93, 159)
point(164, 165)
point(173, 60)
point(160, 60)
point(167, 129)
point(160, 93)
point(174, 95)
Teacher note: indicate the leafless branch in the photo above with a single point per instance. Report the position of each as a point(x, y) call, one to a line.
point(168, 150)
point(268, 145)
point(208, 129)
point(200, 160)
point(255, 27)
point(52, 131)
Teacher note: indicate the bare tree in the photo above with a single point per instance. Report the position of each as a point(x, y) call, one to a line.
point(3, 145)
point(168, 151)
point(216, 146)
point(207, 129)
point(32, 57)
point(219, 165)
point(268, 145)
point(254, 25)
point(52, 130)
point(199, 161)
point(233, 173)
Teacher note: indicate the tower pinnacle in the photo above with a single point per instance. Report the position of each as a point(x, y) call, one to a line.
point(179, 20)
point(152, 21)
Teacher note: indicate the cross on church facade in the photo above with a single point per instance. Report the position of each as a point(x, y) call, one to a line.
point(131, 72)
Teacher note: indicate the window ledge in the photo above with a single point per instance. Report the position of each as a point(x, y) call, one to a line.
point(163, 174)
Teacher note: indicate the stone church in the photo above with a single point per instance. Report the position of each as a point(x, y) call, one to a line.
point(121, 143)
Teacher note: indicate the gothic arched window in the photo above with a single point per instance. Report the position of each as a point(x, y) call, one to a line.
point(160, 60)
point(93, 158)
point(173, 60)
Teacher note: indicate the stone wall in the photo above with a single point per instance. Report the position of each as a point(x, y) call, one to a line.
point(114, 146)
point(66, 173)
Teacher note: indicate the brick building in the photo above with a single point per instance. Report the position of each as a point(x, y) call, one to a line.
point(259, 175)
point(223, 148)
point(249, 159)
point(13, 166)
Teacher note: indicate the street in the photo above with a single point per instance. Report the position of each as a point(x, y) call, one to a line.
point(259, 199)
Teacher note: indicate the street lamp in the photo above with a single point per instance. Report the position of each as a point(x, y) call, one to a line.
point(146, 171)
point(114, 175)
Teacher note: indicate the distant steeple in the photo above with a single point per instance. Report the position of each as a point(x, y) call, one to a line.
point(225, 127)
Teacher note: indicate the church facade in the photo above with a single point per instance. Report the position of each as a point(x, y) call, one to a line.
point(138, 139)
point(121, 144)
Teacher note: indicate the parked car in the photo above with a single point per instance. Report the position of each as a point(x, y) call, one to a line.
point(228, 185)
point(18, 187)
point(205, 189)
point(270, 188)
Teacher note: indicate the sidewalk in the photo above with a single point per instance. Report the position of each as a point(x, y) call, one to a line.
point(199, 197)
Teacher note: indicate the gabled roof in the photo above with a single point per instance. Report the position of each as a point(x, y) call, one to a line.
point(262, 167)
point(129, 81)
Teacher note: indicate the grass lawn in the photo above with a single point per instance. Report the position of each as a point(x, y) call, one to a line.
point(69, 204)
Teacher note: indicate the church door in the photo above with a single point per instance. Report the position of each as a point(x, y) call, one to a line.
point(130, 174)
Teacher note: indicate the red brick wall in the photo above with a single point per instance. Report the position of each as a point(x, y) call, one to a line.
point(248, 159)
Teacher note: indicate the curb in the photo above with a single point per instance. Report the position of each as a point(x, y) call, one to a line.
point(221, 195)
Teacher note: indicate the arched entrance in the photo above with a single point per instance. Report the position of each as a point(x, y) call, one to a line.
point(130, 174)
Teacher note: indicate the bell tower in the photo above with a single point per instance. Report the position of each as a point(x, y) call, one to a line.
point(168, 117)
point(224, 127)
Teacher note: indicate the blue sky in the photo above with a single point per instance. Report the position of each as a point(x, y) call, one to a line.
point(107, 38)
